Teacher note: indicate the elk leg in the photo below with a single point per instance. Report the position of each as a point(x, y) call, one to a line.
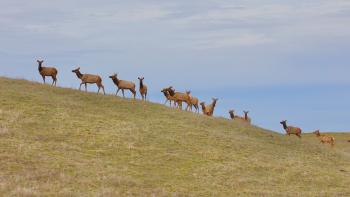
point(123, 92)
point(133, 92)
point(85, 87)
point(80, 85)
point(43, 78)
point(103, 88)
point(117, 91)
point(179, 104)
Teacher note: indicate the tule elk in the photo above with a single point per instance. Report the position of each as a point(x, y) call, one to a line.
point(194, 101)
point(210, 108)
point(88, 78)
point(143, 88)
point(123, 85)
point(290, 129)
point(244, 119)
point(325, 138)
point(47, 71)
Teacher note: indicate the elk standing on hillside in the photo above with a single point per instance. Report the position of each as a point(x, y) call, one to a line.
point(47, 71)
point(325, 138)
point(123, 85)
point(88, 78)
point(290, 129)
point(143, 88)
point(178, 97)
point(194, 101)
point(167, 96)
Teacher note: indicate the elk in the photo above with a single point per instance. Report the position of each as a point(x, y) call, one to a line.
point(194, 101)
point(47, 71)
point(180, 97)
point(89, 78)
point(245, 119)
point(325, 138)
point(210, 108)
point(204, 108)
point(143, 88)
point(123, 85)
point(290, 129)
point(166, 93)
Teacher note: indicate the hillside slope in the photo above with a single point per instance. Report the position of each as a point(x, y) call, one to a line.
point(62, 142)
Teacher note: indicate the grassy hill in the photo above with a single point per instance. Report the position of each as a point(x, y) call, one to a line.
point(62, 142)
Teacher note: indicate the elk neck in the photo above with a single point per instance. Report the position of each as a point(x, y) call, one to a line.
point(79, 75)
point(284, 125)
point(40, 68)
point(141, 83)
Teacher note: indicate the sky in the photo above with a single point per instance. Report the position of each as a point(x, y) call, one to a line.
point(277, 59)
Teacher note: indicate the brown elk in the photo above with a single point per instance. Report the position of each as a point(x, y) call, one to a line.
point(290, 129)
point(194, 101)
point(89, 78)
point(143, 88)
point(167, 96)
point(47, 71)
point(204, 108)
point(210, 108)
point(179, 97)
point(246, 117)
point(123, 85)
point(325, 138)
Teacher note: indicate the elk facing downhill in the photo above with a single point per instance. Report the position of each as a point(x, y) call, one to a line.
point(47, 71)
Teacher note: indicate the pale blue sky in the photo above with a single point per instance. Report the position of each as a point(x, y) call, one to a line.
point(279, 59)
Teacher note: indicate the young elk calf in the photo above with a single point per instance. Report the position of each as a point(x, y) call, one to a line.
point(123, 85)
point(143, 88)
point(291, 130)
point(88, 78)
point(325, 138)
point(47, 71)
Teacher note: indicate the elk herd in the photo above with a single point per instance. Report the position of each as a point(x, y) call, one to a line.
point(171, 96)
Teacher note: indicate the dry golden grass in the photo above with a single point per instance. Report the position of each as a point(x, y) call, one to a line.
point(62, 142)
